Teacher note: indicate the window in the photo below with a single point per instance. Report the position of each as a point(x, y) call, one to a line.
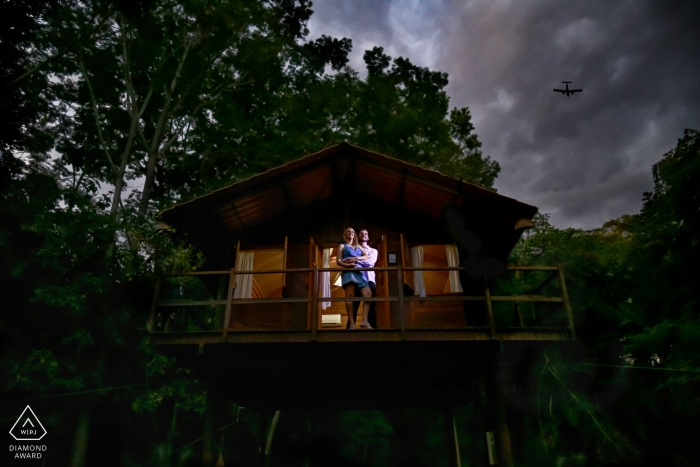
point(435, 282)
point(259, 285)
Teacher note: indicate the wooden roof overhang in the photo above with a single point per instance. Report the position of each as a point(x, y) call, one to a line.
point(337, 171)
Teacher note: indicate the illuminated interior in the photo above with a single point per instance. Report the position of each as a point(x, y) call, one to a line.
point(436, 282)
point(267, 285)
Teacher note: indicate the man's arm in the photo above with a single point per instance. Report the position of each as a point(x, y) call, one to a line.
point(369, 260)
point(345, 263)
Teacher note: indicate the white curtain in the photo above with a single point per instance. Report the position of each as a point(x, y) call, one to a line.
point(244, 282)
point(418, 283)
point(326, 278)
point(453, 262)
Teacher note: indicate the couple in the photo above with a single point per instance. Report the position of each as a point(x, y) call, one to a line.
point(357, 254)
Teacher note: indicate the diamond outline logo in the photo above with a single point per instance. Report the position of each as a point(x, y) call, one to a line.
point(28, 419)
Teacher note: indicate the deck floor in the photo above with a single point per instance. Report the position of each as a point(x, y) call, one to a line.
point(374, 335)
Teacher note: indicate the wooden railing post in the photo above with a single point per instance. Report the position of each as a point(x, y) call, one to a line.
point(284, 263)
point(229, 298)
point(238, 255)
point(314, 305)
point(402, 312)
point(489, 308)
point(154, 305)
point(565, 296)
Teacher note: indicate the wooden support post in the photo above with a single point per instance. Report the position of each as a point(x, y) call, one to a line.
point(82, 436)
point(216, 405)
point(496, 427)
point(221, 291)
point(400, 266)
point(229, 298)
point(491, 447)
point(154, 305)
point(565, 295)
point(505, 453)
point(520, 315)
point(310, 281)
point(495, 407)
point(487, 412)
point(284, 263)
point(489, 309)
point(404, 260)
point(383, 319)
point(314, 304)
point(270, 435)
point(503, 442)
point(402, 311)
point(263, 422)
point(450, 429)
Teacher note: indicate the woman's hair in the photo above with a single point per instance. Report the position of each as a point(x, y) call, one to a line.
point(354, 243)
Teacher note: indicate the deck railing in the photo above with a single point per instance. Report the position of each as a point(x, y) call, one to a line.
point(313, 298)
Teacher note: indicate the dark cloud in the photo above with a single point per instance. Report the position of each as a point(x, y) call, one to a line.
point(403, 28)
point(585, 158)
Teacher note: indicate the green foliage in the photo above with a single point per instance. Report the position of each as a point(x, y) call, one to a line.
point(20, 106)
point(573, 426)
point(365, 435)
point(161, 101)
point(181, 389)
point(633, 289)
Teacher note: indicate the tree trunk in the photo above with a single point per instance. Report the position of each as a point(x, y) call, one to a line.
point(270, 434)
point(495, 413)
point(148, 184)
point(505, 453)
point(82, 433)
point(262, 429)
point(309, 441)
point(211, 449)
point(450, 430)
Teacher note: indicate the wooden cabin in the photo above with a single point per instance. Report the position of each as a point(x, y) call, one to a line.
point(264, 320)
point(270, 244)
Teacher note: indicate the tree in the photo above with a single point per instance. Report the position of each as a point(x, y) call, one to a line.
point(20, 105)
point(173, 100)
point(135, 85)
point(632, 285)
point(400, 110)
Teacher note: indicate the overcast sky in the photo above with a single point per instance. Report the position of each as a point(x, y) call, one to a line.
point(585, 158)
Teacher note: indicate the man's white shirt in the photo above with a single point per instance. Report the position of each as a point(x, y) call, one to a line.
point(369, 263)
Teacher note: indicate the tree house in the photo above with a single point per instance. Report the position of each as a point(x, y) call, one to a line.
point(266, 318)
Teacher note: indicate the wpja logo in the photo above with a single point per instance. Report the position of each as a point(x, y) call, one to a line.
point(28, 428)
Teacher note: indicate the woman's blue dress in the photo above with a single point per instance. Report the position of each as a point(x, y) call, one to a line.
point(353, 276)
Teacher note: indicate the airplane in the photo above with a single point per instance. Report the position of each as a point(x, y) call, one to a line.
point(567, 91)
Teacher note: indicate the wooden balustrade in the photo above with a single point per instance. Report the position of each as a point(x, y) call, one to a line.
point(403, 302)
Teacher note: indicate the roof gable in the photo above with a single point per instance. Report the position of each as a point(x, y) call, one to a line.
point(331, 172)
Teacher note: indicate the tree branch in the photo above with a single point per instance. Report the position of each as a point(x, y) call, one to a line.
point(95, 111)
point(157, 135)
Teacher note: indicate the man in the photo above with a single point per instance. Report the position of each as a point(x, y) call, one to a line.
point(367, 261)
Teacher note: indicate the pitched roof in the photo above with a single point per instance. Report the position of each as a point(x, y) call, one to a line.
point(316, 177)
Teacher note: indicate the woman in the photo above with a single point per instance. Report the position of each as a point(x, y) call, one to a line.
point(348, 254)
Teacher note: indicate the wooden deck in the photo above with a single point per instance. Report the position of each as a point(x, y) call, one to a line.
point(375, 335)
point(297, 319)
